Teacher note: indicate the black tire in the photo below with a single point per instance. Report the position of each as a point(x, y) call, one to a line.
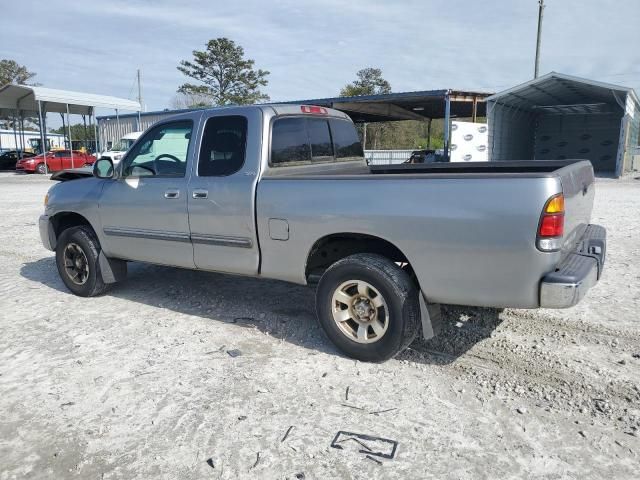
point(85, 239)
point(41, 169)
point(398, 291)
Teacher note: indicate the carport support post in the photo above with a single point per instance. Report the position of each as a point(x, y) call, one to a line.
point(364, 136)
point(69, 135)
point(447, 126)
point(429, 134)
point(15, 135)
point(84, 141)
point(474, 113)
point(118, 124)
point(92, 114)
point(23, 143)
point(44, 154)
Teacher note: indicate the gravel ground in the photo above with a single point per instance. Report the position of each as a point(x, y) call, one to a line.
point(182, 374)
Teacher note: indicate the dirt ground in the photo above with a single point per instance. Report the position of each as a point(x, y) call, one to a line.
point(181, 375)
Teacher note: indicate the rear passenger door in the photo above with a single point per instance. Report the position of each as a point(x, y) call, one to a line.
point(221, 198)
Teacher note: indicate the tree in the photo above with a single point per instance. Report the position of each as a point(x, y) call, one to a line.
point(189, 100)
point(80, 136)
point(228, 78)
point(369, 82)
point(12, 72)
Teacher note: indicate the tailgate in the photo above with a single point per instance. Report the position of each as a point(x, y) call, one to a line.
point(578, 187)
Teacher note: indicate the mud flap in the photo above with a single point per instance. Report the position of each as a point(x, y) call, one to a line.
point(431, 316)
point(112, 270)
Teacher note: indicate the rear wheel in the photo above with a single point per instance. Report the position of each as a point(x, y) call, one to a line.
point(41, 169)
point(77, 260)
point(368, 307)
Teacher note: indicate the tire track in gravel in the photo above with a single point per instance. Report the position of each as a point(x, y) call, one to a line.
point(540, 362)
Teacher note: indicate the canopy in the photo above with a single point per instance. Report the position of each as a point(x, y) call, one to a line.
point(420, 105)
point(26, 98)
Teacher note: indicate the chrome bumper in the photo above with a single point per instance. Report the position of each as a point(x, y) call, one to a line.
point(578, 272)
point(47, 235)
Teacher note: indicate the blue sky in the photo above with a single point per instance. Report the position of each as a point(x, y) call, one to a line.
point(313, 48)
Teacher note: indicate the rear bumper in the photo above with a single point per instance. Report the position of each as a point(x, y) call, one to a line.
point(578, 272)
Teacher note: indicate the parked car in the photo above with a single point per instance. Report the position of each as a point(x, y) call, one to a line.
point(9, 158)
point(55, 161)
point(283, 192)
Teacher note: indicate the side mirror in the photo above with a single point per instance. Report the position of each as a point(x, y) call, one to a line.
point(103, 168)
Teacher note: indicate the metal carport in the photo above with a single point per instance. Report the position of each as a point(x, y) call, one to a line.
point(20, 101)
point(420, 105)
point(558, 116)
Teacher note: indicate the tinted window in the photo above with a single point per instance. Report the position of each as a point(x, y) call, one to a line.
point(223, 146)
point(289, 141)
point(345, 139)
point(162, 151)
point(320, 139)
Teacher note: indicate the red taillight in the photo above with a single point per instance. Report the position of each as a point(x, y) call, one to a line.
point(552, 225)
point(313, 109)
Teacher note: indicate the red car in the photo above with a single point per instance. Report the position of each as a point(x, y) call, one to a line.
point(58, 160)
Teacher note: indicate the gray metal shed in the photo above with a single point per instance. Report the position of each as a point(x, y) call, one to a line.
point(559, 116)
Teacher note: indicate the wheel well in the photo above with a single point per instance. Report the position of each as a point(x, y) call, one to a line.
point(64, 220)
point(332, 248)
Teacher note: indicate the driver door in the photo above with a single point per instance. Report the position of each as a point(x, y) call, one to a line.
point(143, 212)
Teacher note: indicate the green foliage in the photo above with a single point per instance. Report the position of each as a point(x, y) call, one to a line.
point(406, 134)
point(78, 132)
point(369, 82)
point(12, 72)
point(187, 101)
point(226, 77)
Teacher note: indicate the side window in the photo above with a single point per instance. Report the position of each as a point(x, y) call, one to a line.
point(161, 152)
point(223, 146)
point(345, 140)
point(320, 139)
point(289, 141)
point(62, 153)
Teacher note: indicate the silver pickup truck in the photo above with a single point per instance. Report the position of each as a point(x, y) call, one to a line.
point(284, 192)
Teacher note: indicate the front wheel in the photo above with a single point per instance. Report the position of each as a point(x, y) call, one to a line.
point(77, 260)
point(368, 307)
point(41, 169)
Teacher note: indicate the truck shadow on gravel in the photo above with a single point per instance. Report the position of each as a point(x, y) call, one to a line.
point(282, 310)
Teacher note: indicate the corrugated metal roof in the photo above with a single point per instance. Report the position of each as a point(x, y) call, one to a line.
point(561, 89)
point(26, 98)
point(417, 105)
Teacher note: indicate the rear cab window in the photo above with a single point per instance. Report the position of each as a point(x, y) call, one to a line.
point(306, 140)
point(224, 144)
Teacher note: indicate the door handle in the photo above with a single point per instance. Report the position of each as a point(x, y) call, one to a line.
point(200, 194)
point(172, 194)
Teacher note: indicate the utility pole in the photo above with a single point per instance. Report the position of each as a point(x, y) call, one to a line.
point(139, 76)
point(538, 40)
point(140, 89)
